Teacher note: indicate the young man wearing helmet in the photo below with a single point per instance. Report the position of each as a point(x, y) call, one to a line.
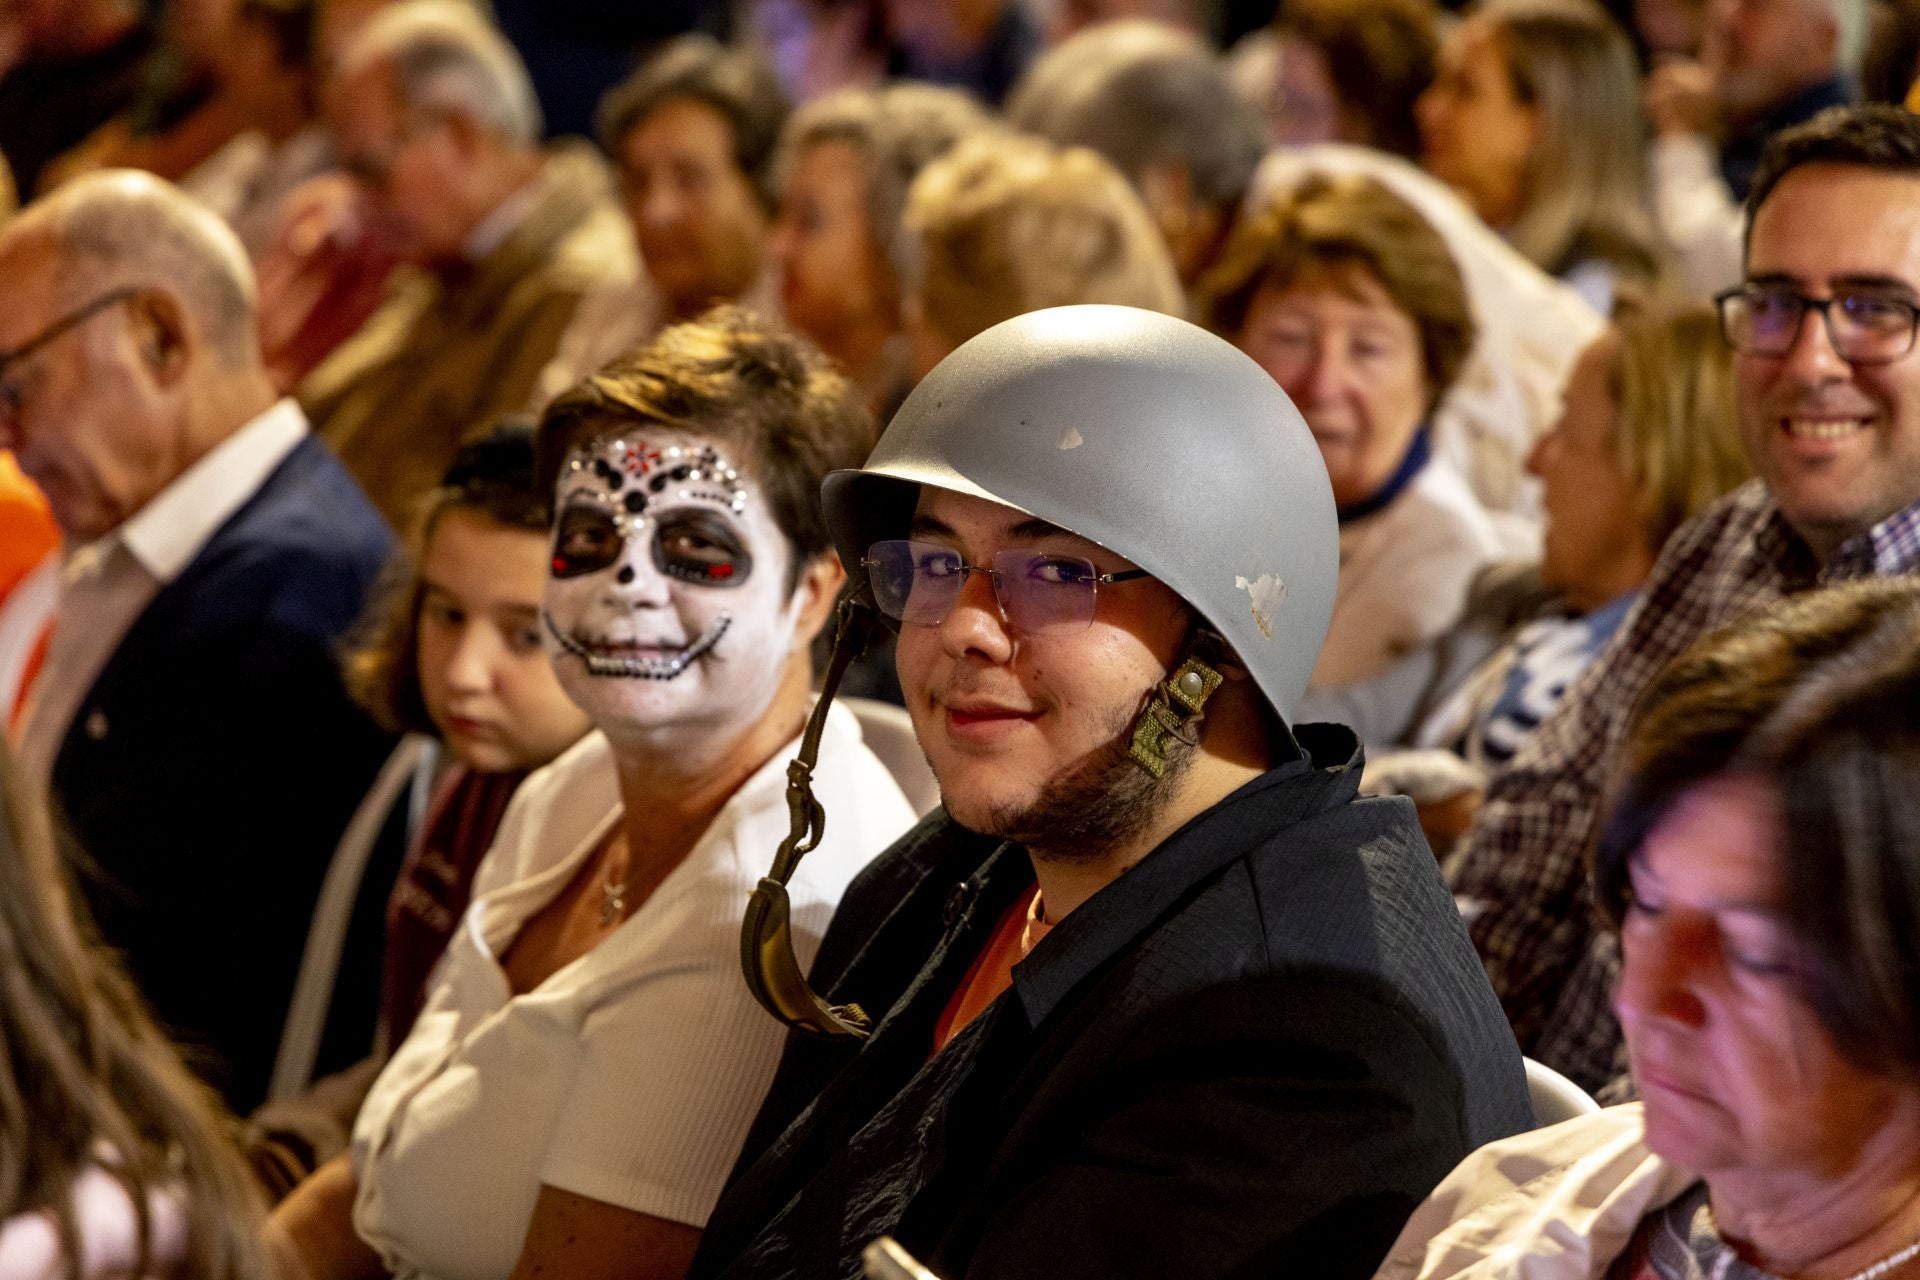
point(1156, 994)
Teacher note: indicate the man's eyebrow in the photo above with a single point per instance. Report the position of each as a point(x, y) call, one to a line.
point(1035, 528)
point(928, 527)
point(1866, 280)
point(1878, 283)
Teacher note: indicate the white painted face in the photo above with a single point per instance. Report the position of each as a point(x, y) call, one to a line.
point(666, 601)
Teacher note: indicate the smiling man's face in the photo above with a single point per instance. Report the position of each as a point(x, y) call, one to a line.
point(1837, 444)
point(1028, 734)
point(667, 601)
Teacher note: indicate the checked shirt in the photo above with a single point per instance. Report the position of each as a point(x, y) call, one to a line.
point(1522, 879)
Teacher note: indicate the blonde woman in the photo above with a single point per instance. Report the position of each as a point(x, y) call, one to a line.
point(1006, 225)
point(1647, 441)
point(1534, 119)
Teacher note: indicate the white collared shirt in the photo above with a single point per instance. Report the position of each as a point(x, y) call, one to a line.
point(492, 231)
point(169, 531)
point(108, 583)
point(628, 1076)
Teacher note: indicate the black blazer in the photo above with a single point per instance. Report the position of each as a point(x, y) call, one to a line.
point(1251, 1055)
point(211, 768)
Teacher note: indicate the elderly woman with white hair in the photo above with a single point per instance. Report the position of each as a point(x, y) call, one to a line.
point(1762, 861)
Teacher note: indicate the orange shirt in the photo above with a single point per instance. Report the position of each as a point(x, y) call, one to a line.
point(1018, 932)
point(27, 532)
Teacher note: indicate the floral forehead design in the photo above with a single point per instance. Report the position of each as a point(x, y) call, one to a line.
point(635, 473)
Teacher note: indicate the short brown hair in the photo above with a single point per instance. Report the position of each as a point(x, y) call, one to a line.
point(492, 476)
point(759, 388)
point(1380, 56)
point(898, 130)
point(1349, 221)
point(737, 84)
point(1005, 225)
point(1814, 695)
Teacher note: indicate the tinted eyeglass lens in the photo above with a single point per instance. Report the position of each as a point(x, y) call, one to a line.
point(1870, 328)
point(1045, 594)
point(1862, 327)
point(915, 582)
point(1764, 322)
point(920, 582)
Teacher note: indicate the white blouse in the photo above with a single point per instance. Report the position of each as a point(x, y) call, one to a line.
point(631, 1075)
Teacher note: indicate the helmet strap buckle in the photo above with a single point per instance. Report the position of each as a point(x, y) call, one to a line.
point(1178, 705)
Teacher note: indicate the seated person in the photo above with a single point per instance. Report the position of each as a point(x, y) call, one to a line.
point(692, 133)
point(845, 164)
point(1341, 71)
point(1647, 440)
point(1762, 864)
point(101, 1115)
point(269, 70)
point(1154, 994)
point(584, 1072)
point(1003, 225)
point(66, 68)
point(434, 118)
point(1353, 304)
point(453, 658)
point(1535, 120)
point(1158, 104)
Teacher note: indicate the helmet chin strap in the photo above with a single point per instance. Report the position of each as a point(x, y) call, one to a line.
point(766, 935)
point(1177, 707)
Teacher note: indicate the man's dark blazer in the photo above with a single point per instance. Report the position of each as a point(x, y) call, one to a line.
point(1251, 1055)
point(213, 765)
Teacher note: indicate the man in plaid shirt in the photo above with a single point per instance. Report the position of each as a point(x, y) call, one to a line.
point(1829, 409)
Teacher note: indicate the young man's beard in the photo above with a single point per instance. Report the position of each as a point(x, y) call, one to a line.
point(1097, 805)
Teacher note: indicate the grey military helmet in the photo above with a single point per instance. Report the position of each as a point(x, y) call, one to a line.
point(1145, 434)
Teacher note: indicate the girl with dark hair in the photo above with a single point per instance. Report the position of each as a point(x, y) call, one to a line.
point(113, 1162)
point(450, 656)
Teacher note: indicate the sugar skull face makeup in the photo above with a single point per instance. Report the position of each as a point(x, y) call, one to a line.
point(667, 586)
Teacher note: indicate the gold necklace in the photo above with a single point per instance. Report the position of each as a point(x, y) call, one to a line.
point(613, 892)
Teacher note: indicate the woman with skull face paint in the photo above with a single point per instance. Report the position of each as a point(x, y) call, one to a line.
point(574, 1094)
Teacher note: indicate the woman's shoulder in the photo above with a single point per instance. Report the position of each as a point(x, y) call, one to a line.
point(556, 808)
point(1579, 1188)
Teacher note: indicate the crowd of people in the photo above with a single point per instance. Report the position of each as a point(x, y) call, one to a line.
point(1135, 637)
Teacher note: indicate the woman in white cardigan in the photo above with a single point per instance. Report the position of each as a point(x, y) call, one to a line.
point(574, 1093)
point(1763, 862)
point(1353, 303)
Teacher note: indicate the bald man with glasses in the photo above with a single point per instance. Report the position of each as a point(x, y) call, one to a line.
point(188, 720)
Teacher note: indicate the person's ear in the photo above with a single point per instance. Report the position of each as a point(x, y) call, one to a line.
point(162, 334)
point(815, 595)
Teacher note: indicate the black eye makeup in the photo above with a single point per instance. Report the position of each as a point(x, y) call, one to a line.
point(701, 547)
point(586, 539)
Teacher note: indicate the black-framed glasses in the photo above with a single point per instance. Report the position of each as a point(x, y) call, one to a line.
point(1865, 327)
point(1040, 593)
point(10, 394)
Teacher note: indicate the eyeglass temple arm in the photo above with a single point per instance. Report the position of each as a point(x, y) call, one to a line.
point(767, 956)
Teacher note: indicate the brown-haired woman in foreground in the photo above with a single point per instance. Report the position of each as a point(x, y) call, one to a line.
point(1762, 861)
point(113, 1160)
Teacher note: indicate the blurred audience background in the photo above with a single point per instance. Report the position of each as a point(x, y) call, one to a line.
point(1535, 273)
